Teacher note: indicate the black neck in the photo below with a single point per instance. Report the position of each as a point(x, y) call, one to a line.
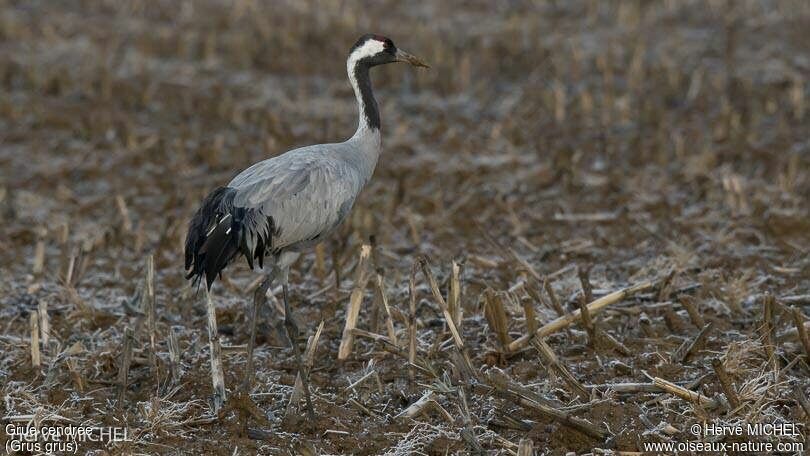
point(368, 107)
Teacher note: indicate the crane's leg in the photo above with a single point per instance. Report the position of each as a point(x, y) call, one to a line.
point(292, 334)
point(259, 300)
point(241, 402)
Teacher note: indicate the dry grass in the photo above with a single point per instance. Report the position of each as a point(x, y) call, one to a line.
point(648, 141)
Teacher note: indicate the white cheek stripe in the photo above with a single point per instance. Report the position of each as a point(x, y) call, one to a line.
point(368, 49)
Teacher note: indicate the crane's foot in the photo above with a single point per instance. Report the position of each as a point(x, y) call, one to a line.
point(292, 333)
point(303, 372)
point(310, 410)
point(244, 408)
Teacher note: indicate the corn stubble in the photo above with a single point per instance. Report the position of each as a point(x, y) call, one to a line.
point(589, 227)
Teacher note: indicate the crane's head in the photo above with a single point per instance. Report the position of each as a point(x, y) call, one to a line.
point(372, 50)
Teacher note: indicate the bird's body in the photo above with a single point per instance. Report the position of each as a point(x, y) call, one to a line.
point(317, 192)
point(278, 207)
point(282, 205)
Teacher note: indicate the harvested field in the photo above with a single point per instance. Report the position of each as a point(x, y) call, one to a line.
point(643, 162)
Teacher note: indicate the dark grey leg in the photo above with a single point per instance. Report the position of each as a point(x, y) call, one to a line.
point(292, 333)
point(259, 299)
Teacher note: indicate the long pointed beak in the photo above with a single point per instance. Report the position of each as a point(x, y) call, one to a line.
point(403, 56)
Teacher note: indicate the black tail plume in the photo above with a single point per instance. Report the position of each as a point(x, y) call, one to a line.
point(214, 235)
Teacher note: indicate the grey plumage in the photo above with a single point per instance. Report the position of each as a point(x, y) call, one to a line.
point(287, 203)
point(308, 191)
point(284, 204)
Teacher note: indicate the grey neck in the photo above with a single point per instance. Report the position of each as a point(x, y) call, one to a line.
point(369, 112)
point(365, 149)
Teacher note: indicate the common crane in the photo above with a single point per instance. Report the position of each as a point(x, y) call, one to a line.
point(278, 207)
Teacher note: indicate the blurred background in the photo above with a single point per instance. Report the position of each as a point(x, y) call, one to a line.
point(636, 138)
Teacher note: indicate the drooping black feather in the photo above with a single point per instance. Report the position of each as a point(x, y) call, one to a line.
point(220, 231)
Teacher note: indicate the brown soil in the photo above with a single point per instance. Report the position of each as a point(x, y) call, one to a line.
point(648, 140)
